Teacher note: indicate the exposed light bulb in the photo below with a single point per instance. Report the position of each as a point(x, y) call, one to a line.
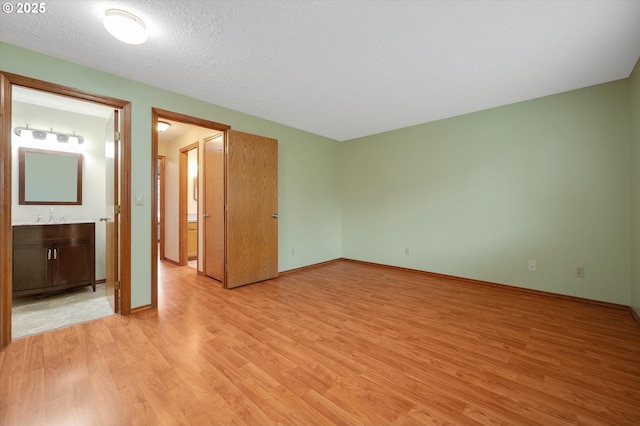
point(51, 136)
point(24, 133)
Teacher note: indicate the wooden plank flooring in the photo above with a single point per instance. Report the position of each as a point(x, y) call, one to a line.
point(341, 343)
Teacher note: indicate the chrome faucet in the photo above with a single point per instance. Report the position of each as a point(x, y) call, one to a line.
point(51, 220)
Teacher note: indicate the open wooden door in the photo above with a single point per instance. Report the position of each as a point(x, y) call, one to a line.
point(251, 196)
point(213, 209)
point(111, 219)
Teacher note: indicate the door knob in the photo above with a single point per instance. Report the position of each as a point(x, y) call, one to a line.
point(104, 219)
point(275, 215)
point(206, 215)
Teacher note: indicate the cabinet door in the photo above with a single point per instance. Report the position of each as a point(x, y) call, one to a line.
point(31, 267)
point(192, 240)
point(73, 260)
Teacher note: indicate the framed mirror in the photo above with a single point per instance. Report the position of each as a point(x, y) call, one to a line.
point(49, 177)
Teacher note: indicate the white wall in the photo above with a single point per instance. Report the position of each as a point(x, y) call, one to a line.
point(192, 164)
point(93, 179)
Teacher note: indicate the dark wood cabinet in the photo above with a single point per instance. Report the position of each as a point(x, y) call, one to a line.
point(53, 257)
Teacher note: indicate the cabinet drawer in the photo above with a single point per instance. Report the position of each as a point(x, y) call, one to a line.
point(49, 233)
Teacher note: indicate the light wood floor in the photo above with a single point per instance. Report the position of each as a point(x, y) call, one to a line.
point(342, 343)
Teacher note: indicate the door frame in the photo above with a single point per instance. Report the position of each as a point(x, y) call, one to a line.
point(161, 206)
point(7, 80)
point(158, 114)
point(213, 182)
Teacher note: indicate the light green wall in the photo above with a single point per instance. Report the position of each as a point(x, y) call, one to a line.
point(308, 187)
point(634, 159)
point(480, 195)
point(474, 196)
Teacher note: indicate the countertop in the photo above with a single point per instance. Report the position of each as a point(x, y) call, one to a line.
point(66, 222)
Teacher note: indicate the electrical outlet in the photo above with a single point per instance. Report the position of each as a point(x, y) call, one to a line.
point(580, 272)
point(532, 266)
point(293, 252)
point(406, 251)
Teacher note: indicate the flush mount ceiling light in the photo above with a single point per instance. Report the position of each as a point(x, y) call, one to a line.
point(125, 27)
point(163, 126)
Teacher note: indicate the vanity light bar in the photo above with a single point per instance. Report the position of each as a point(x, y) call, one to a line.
point(43, 134)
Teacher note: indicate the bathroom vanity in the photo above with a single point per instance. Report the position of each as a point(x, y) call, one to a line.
point(49, 257)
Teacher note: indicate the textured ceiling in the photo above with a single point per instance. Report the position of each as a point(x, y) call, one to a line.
point(345, 69)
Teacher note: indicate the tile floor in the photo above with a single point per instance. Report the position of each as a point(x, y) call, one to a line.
point(37, 314)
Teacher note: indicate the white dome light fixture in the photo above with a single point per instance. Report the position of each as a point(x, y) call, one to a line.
point(125, 27)
point(163, 126)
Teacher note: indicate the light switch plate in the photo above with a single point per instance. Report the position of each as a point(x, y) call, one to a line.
point(139, 199)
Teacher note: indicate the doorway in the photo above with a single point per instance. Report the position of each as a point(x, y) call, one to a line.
point(246, 200)
point(176, 189)
point(179, 190)
point(9, 84)
point(188, 205)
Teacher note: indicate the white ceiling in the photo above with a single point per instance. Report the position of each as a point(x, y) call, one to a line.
point(345, 69)
point(176, 130)
point(37, 97)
